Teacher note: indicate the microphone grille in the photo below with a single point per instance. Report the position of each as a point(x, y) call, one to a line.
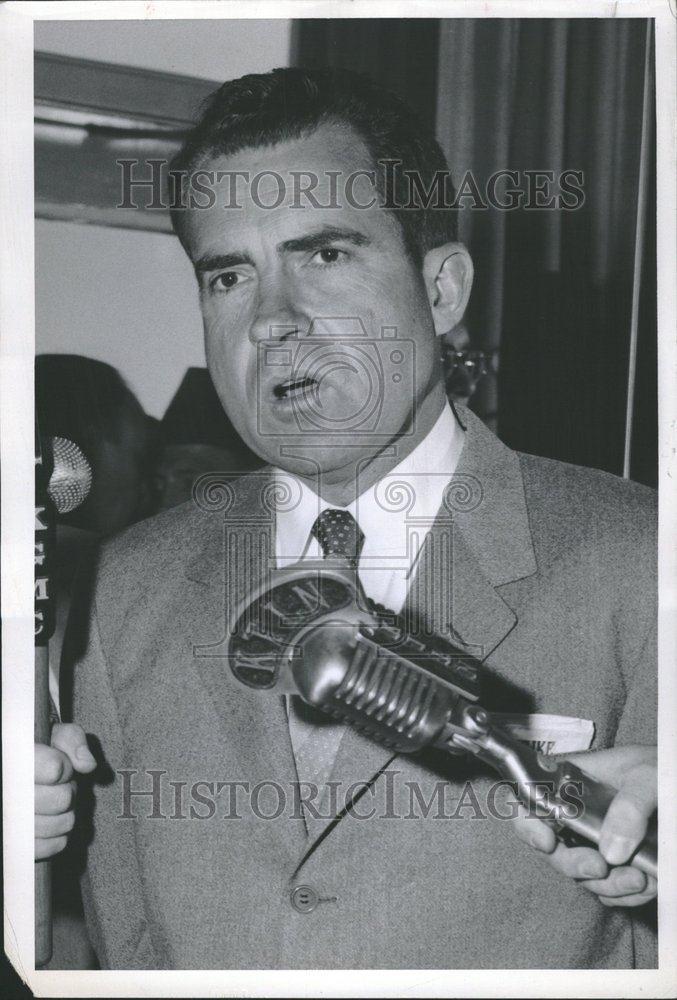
point(71, 479)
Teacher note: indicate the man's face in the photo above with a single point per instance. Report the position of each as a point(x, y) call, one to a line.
point(318, 330)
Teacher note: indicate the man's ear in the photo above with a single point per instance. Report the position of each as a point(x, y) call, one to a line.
point(448, 273)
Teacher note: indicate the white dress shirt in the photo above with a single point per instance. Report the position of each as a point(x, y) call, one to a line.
point(395, 514)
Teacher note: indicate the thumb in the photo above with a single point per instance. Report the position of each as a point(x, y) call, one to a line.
point(613, 764)
point(627, 818)
point(71, 740)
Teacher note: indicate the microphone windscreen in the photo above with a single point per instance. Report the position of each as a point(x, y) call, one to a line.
point(71, 479)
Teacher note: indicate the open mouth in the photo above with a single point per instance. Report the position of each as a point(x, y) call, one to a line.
point(295, 388)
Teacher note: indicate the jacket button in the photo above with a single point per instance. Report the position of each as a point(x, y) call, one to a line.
point(304, 898)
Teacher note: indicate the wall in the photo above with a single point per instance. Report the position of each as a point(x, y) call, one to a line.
point(123, 296)
point(212, 49)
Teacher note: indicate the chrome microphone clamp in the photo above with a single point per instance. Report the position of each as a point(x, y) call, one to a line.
point(311, 631)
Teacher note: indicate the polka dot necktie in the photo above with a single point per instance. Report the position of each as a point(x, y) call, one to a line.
point(339, 534)
point(315, 736)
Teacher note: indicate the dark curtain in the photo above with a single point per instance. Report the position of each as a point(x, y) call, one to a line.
point(554, 288)
point(553, 292)
point(401, 53)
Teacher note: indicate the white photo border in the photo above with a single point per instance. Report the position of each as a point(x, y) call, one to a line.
point(17, 322)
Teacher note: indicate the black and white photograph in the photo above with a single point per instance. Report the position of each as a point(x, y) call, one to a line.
point(338, 446)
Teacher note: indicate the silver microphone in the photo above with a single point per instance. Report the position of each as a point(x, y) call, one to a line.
point(71, 478)
point(311, 630)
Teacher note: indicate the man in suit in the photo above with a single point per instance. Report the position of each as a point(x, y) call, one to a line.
point(323, 296)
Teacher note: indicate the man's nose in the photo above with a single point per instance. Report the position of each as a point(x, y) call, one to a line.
point(277, 314)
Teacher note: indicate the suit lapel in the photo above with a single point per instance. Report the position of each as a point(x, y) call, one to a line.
point(451, 596)
point(487, 503)
point(479, 541)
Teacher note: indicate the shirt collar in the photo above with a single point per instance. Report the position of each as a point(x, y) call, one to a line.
point(489, 509)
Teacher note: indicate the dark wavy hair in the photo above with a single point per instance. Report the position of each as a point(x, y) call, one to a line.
point(267, 108)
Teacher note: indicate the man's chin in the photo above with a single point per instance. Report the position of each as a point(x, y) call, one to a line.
point(302, 457)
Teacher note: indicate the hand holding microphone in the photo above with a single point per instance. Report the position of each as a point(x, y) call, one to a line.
point(62, 481)
point(55, 766)
point(607, 871)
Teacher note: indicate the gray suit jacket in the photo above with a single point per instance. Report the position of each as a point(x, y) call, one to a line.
point(549, 576)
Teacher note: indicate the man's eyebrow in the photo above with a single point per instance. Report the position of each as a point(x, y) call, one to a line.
point(218, 261)
point(320, 239)
point(310, 241)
